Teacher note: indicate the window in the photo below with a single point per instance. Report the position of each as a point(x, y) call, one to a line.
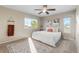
point(27, 22)
point(67, 24)
point(33, 23)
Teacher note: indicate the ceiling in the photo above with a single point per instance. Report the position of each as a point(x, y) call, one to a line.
point(30, 9)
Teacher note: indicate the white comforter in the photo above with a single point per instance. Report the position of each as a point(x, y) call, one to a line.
point(50, 38)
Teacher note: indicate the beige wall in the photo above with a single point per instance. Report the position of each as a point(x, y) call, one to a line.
point(77, 27)
point(71, 14)
point(18, 17)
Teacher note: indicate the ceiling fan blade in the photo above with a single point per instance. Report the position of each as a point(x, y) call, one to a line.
point(40, 12)
point(47, 12)
point(51, 9)
point(38, 9)
point(45, 6)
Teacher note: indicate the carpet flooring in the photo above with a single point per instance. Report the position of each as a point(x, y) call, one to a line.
point(23, 46)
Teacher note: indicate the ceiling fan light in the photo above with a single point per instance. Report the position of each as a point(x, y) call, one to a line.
point(44, 9)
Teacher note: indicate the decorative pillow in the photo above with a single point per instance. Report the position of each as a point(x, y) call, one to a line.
point(50, 30)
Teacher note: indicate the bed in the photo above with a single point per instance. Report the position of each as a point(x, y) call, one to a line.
point(50, 38)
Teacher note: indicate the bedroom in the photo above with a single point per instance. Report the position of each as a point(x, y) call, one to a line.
point(28, 23)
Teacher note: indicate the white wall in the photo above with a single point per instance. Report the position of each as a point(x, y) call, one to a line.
point(71, 14)
point(18, 17)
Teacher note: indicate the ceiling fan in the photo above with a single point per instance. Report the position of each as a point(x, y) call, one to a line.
point(45, 10)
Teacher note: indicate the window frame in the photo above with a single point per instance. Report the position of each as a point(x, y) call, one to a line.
point(65, 29)
point(27, 26)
